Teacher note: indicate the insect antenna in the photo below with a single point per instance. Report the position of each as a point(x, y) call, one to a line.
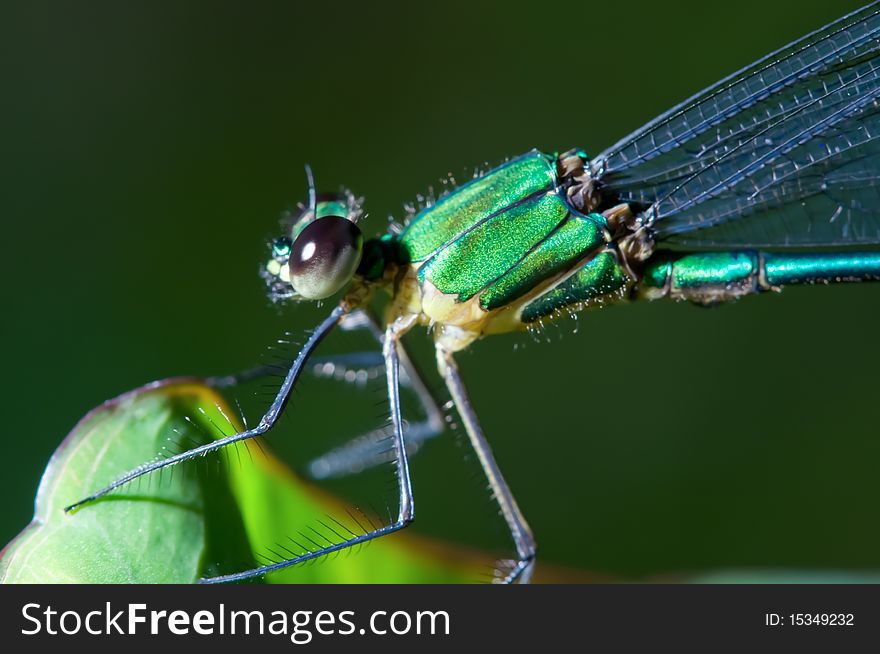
point(313, 194)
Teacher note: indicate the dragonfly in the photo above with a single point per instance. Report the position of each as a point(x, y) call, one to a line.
point(765, 179)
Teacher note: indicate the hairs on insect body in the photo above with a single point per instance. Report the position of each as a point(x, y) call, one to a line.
point(448, 184)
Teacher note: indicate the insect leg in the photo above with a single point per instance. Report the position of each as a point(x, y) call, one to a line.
point(325, 366)
point(372, 448)
point(227, 381)
point(406, 511)
point(266, 422)
point(354, 368)
point(519, 529)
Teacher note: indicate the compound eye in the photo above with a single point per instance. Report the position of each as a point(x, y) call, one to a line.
point(324, 257)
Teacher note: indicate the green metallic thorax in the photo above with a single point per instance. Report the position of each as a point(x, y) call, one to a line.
point(510, 238)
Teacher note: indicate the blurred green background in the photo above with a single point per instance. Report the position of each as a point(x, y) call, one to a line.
point(148, 149)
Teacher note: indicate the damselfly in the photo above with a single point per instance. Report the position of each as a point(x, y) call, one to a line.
point(765, 179)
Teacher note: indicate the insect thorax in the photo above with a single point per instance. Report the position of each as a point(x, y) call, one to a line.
point(507, 250)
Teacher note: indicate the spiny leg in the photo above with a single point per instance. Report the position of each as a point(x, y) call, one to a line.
point(228, 381)
point(363, 319)
point(355, 368)
point(350, 322)
point(406, 511)
point(371, 449)
point(519, 529)
point(266, 422)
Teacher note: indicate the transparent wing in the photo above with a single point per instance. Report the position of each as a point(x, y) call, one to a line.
point(783, 153)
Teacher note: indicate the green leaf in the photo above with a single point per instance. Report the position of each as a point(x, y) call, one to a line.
point(278, 506)
point(189, 525)
point(148, 532)
point(194, 525)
